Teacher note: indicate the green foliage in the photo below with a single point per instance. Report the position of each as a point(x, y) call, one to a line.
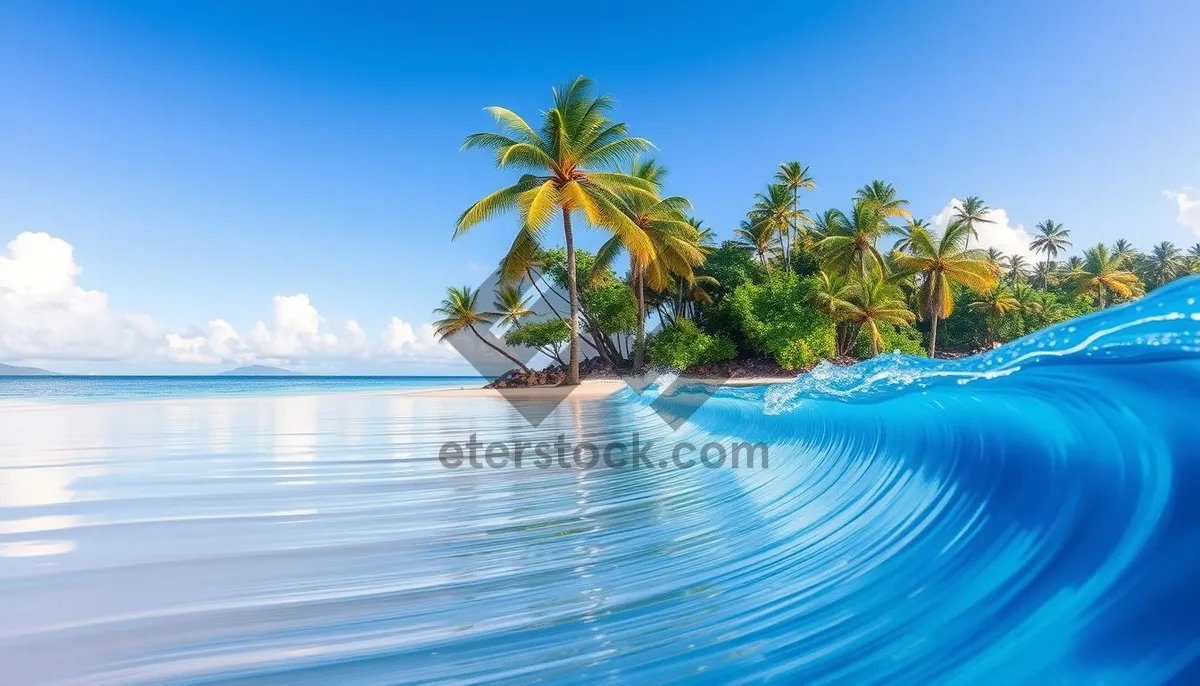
point(682, 345)
point(774, 314)
point(555, 264)
point(731, 265)
point(547, 334)
point(796, 355)
point(612, 307)
point(902, 339)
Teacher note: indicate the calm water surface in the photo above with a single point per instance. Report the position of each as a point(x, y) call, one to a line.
point(1029, 516)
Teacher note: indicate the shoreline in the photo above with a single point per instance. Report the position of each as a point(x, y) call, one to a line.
point(587, 389)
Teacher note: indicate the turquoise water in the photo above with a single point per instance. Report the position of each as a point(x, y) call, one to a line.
point(1028, 516)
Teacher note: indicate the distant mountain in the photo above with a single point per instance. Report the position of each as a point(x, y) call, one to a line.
point(10, 370)
point(259, 370)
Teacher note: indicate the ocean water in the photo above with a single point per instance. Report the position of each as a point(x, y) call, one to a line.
point(1027, 516)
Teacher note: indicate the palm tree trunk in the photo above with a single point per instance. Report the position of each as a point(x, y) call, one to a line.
point(639, 351)
point(933, 336)
point(498, 349)
point(572, 378)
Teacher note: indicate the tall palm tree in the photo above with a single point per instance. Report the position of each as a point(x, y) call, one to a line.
point(906, 232)
point(1102, 273)
point(1051, 239)
point(885, 198)
point(460, 313)
point(994, 305)
point(759, 238)
point(1124, 251)
point(1017, 269)
point(946, 263)
point(795, 177)
point(675, 241)
point(849, 243)
point(870, 302)
point(1164, 263)
point(775, 209)
point(510, 305)
point(1193, 259)
point(973, 211)
point(564, 161)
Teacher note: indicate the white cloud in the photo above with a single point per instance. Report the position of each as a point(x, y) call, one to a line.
point(45, 315)
point(297, 335)
point(1000, 233)
point(1189, 209)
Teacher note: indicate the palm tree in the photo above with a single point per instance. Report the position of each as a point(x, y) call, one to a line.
point(870, 302)
point(775, 210)
point(1051, 239)
point(675, 241)
point(1193, 258)
point(1164, 263)
point(794, 177)
point(563, 160)
point(759, 238)
point(885, 198)
point(973, 211)
point(1044, 273)
point(1124, 251)
point(849, 243)
point(996, 259)
point(1017, 269)
point(1073, 264)
point(994, 305)
point(510, 305)
point(906, 232)
point(1101, 274)
point(946, 263)
point(460, 314)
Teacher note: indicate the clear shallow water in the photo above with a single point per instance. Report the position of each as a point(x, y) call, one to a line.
point(1030, 516)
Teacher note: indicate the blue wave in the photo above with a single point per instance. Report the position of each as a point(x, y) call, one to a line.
point(1029, 515)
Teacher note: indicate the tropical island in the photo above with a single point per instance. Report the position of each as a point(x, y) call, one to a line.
point(788, 288)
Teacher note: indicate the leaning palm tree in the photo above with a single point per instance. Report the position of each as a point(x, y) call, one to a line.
point(885, 198)
point(794, 177)
point(1164, 263)
point(849, 242)
point(758, 238)
point(510, 305)
point(676, 243)
point(870, 302)
point(775, 209)
point(973, 211)
point(994, 305)
point(1101, 274)
point(564, 160)
point(460, 313)
point(945, 264)
point(1051, 239)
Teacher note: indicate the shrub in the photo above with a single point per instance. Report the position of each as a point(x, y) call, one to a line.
point(547, 337)
point(682, 345)
point(775, 314)
point(796, 355)
point(903, 339)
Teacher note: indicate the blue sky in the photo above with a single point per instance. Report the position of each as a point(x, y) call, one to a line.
point(202, 159)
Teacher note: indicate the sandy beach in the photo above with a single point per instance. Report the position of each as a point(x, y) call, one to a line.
point(589, 388)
